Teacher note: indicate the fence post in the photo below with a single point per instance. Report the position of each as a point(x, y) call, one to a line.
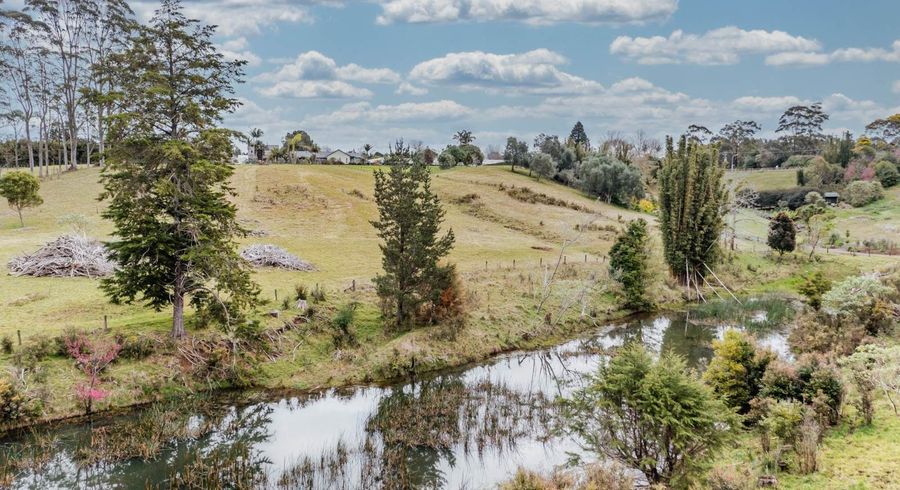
point(105, 324)
point(276, 295)
point(19, 334)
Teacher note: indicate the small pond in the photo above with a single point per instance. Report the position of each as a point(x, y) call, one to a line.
point(468, 428)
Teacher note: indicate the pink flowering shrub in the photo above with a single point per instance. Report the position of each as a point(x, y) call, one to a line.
point(92, 357)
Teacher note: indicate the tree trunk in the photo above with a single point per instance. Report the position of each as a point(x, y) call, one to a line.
point(21, 221)
point(178, 315)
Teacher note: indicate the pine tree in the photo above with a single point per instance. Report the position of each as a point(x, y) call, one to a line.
point(167, 175)
point(692, 199)
point(409, 221)
point(578, 137)
point(782, 233)
point(629, 261)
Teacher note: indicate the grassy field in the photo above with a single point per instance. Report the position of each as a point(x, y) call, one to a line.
point(879, 220)
point(319, 213)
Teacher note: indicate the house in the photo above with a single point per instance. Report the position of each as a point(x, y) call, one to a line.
point(344, 157)
point(832, 197)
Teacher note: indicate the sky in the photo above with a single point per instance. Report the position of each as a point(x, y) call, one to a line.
point(356, 72)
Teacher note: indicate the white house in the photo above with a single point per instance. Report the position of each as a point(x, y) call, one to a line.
point(344, 157)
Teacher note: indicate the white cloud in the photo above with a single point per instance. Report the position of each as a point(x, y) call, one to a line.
point(364, 112)
point(314, 75)
point(407, 88)
point(756, 104)
point(843, 55)
point(315, 89)
point(535, 71)
point(356, 73)
point(239, 17)
point(723, 46)
point(534, 12)
point(237, 49)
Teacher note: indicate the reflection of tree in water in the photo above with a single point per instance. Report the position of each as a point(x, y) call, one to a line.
point(676, 334)
point(420, 426)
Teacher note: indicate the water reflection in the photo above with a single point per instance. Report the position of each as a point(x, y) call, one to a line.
point(470, 428)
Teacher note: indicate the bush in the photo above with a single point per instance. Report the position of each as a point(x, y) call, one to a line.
point(629, 264)
point(859, 193)
point(341, 334)
point(863, 300)
point(876, 367)
point(668, 441)
point(813, 287)
point(886, 173)
point(793, 198)
point(136, 346)
point(35, 350)
point(782, 233)
point(542, 165)
point(736, 370)
point(6, 344)
point(15, 406)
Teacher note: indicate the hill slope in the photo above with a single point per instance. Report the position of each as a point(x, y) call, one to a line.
point(320, 213)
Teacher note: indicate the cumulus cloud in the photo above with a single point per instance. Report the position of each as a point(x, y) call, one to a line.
point(535, 12)
point(407, 88)
point(843, 55)
point(723, 46)
point(364, 112)
point(237, 49)
point(240, 17)
point(535, 71)
point(313, 75)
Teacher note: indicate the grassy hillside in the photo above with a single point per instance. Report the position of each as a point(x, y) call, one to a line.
point(876, 221)
point(320, 213)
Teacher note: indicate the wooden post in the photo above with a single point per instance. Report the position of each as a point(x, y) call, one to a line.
point(585, 258)
point(564, 260)
point(276, 295)
point(105, 324)
point(19, 333)
point(514, 263)
point(542, 262)
point(485, 265)
point(353, 286)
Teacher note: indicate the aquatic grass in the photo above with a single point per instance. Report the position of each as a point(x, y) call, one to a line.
point(761, 313)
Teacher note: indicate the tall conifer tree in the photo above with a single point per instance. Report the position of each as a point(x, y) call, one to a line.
point(167, 175)
point(409, 221)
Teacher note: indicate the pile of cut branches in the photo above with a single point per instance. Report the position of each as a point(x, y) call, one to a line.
point(274, 256)
point(67, 256)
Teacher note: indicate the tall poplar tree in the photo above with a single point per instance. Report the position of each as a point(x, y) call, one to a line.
point(409, 221)
point(167, 173)
point(692, 200)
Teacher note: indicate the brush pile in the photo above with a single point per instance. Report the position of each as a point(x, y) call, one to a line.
point(67, 256)
point(274, 256)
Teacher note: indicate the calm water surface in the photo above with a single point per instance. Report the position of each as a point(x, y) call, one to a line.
point(469, 428)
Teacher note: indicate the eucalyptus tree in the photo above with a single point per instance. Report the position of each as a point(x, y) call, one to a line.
point(65, 25)
point(804, 126)
point(18, 68)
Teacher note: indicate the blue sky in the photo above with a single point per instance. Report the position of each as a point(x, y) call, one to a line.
point(356, 72)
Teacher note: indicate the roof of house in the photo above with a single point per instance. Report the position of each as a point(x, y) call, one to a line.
point(831, 194)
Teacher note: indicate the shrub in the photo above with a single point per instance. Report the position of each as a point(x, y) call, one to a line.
point(341, 322)
point(668, 441)
point(317, 295)
point(861, 299)
point(35, 350)
point(859, 193)
point(821, 388)
point(793, 198)
point(782, 233)
point(823, 174)
point(813, 287)
point(301, 292)
point(886, 173)
point(646, 206)
point(6, 344)
point(15, 406)
point(448, 301)
point(136, 346)
point(629, 264)
point(732, 477)
point(736, 370)
point(878, 366)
